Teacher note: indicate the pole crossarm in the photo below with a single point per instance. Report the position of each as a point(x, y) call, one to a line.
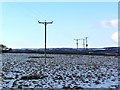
point(49, 22)
point(76, 39)
point(45, 22)
point(41, 22)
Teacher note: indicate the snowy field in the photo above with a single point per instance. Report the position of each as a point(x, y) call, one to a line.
point(62, 71)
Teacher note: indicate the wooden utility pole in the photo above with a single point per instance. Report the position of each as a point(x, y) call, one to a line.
point(86, 42)
point(45, 23)
point(77, 42)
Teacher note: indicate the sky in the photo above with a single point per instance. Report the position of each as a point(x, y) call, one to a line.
point(96, 20)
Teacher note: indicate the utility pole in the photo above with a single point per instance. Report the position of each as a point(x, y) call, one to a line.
point(86, 42)
point(45, 23)
point(83, 43)
point(77, 42)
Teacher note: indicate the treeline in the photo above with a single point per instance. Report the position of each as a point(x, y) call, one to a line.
point(108, 52)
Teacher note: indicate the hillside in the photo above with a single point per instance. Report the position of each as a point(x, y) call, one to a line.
point(97, 51)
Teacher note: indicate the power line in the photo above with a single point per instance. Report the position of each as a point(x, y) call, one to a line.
point(45, 23)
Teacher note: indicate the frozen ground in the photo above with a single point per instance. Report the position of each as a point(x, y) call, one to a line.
point(62, 71)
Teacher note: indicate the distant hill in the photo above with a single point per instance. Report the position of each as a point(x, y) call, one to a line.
point(97, 51)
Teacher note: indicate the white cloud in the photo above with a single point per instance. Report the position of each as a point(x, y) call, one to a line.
point(115, 36)
point(109, 23)
point(112, 24)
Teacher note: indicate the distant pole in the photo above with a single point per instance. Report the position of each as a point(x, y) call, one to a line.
point(45, 23)
point(86, 42)
point(77, 42)
point(83, 43)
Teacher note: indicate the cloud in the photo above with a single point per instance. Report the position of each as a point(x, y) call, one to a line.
point(109, 23)
point(112, 24)
point(115, 37)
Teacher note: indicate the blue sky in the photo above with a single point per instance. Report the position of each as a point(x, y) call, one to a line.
point(96, 20)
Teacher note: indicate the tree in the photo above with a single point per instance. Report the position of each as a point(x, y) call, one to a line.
point(3, 47)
